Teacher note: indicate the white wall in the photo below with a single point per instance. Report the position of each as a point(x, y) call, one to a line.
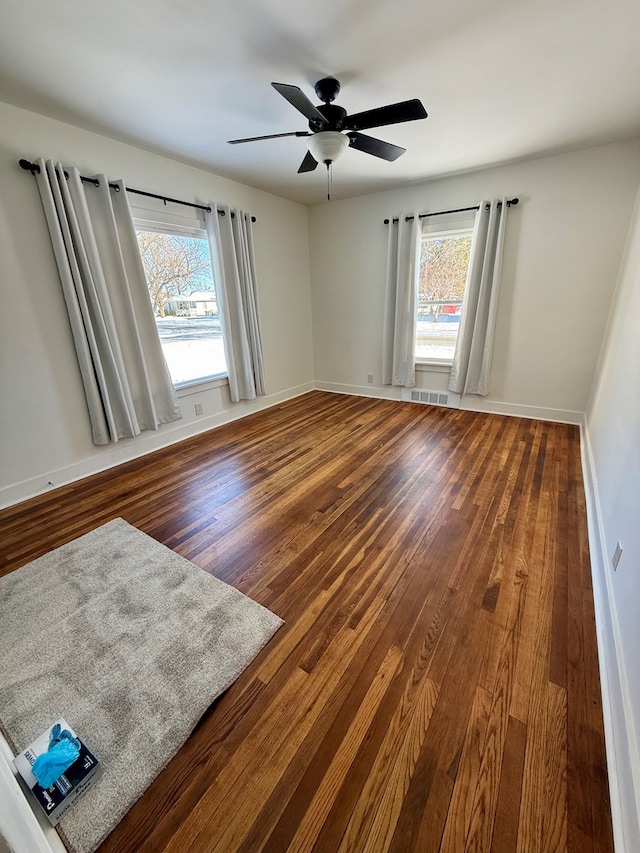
point(613, 464)
point(563, 248)
point(44, 430)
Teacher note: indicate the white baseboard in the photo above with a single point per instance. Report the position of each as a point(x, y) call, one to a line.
point(468, 403)
point(147, 442)
point(519, 410)
point(623, 759)
point(386, 392)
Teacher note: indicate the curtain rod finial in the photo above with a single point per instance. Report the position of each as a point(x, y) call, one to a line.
point(28, 166)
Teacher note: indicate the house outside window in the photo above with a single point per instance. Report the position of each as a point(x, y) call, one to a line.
point(444, 263)
point(179, 273)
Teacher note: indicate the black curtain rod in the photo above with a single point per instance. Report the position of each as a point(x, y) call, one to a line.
point(510, 202)
point(33, 168)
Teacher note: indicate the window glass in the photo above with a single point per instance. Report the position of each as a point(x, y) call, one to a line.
point(182, 292)
point(444, 262)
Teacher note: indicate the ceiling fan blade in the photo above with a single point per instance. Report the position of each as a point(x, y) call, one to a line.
point(299, 100)
point(391, 114)
point(371, 145)
point(308, 164)
point(270, 136)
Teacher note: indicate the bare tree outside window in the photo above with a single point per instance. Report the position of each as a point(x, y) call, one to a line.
point(444, 262)
point(182, 292)
point(174, 266)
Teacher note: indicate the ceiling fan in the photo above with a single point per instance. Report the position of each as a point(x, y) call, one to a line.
point(332, 131)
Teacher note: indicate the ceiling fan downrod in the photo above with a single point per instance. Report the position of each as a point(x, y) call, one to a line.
point(327, 89)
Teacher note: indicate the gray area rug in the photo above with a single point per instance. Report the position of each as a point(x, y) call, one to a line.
point(130, 643)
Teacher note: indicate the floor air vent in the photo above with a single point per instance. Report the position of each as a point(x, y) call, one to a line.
point(431, 398)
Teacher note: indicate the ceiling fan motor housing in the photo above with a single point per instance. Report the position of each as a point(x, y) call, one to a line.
point(334, 115)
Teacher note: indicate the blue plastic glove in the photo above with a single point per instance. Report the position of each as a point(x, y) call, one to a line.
point(62, 752)
point(57, 733)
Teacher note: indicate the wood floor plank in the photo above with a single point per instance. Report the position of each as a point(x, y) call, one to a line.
point(530, 834)
point(505, 831)
point(597, 776)
point(375, 817)
point(554, 828)
point(461, 648)
point(309, 827)
point(485, 796)
point(460, 812)
point(435, 686)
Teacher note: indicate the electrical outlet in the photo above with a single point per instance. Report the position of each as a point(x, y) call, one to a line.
point(616, 556)
point(198, 408)
point(370, 378)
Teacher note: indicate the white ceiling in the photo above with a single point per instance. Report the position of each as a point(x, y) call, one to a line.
point(500, 79)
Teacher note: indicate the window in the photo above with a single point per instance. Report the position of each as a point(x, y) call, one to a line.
point(444, 262)
point(179, 273)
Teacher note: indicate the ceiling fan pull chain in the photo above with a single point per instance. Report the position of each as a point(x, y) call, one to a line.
point(329, 179)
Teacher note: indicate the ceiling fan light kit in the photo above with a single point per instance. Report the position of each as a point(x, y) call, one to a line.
point(327, 146)
point(327, 142)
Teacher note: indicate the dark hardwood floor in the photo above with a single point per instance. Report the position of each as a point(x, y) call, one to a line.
point(435, 686)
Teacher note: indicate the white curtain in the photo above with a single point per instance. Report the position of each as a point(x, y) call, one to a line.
point(472, 359)
point(231, 240)
point(401, 303)
point(125, 376)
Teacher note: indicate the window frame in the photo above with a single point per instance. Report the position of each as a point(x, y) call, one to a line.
point(180, 225)
point(463, 228)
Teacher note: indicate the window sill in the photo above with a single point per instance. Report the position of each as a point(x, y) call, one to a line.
point(188, 388)
point(433, 366)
